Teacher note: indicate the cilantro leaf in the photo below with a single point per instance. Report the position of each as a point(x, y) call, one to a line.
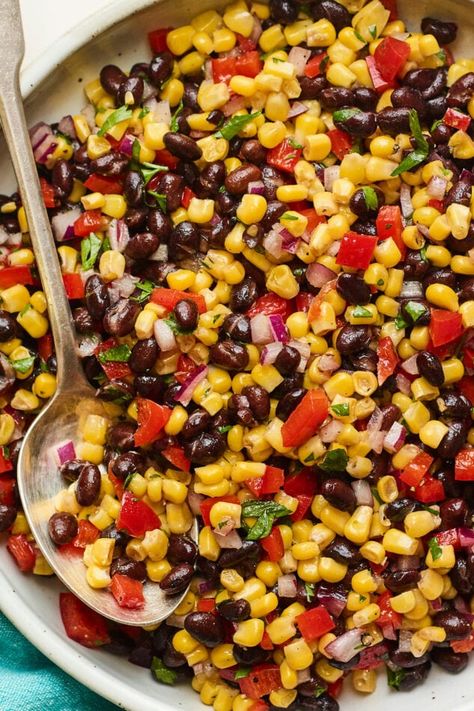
point(361, 312)
point(22, 365)
point(90, 248)
point(319, 690)
point(415, 310)
point(370, 198)
point(242, 672)
point(309, 590)
point(128, 480)
point(288, 216)
point(145, 288)
point(342, 410)
point(411, 161)
point(294, 143)
point(435, 549)
point(160, 199)
point(175, 327)
point(400, 322)
point(116, 354)
point(150, 170)
point(235, 125)
point(224, 430)
point(422, 148)
point(376, 495)
point(373, 31)
point(121, 114)
point(144, 112)
point(162, 673)
point(136, 148)
point(343, 115)
point(265, 512)
point(174, 119)
point(334, 461)
point(394, 678)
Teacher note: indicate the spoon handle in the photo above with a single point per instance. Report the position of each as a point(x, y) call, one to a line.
point(12, 117)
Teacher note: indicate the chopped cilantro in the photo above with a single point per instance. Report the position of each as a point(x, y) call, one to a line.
point(294, 143)
point(288, 216)
point(136, 148)
point(145, 288)
point(235, 125)
point(370, 198)
point(343, 115)
point(435, 549)
point(319, 690)
point(90, 248)
point(400, 322)
point(422, 148)
point(342, 410)
point(242, 672)
point(334, 461)
point(224, 430)
point(361, 312)
point(121, 114)
point(144, 112)
point(373, 31)
point(117, 354)
point(376, 495)
point(150, 170)
point(309, 590)
point(174, 119)
point(160, 199)
point(128, 480)
point(415, 310)
point(175, 327)
point(23, 365)
point(277, 60)
point(162, 673)
point(265, 512)
point(394, 678)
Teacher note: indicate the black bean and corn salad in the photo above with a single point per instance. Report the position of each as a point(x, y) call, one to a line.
point(266, 234)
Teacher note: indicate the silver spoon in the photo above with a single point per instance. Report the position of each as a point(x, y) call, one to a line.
point(38, 477)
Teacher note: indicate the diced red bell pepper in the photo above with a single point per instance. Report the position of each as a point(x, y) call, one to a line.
point(304, 502)
point(387, 615)
point(111, 369)
point(304, 483)
point(429, 491)
point(266, 642)
point(186, 197)
point(246, 44)
point(456, 119)
point(341, 142)
point(104, 184)
point(335, 688)
point(223, 69)
point(387, 359)
point(45, 346)
point(127, 591)
point(372, 657)
point(185, 367)
point(437, 204)
point(22, 551)
point(314, 623)
point(389, 224)
point(356, 250)
point(136, 517)
point(157, 39)
point(303, 301)
point(206, 604)
point(82, 624)
point(391, 5)
point(463, 645)
point(466, 386)
point(151, 420)
point(86, 533)
point(73, 285)
point(315, 306)
point(176, 456)
point(5, 463)
point(313, 218)
point(273, 545)
point(390, 57)
point(89, 221)
point(313, 67)
point(464, 465)
point(117, 484)
point(7, 490)
point(284, 156)
point(445, 326)
point(259, 706)
point(47, 191)
point(10, 276)
point(170, 297)
point(468, 358)
point(248, 64)
point(380, 84)
point(164, 157)
point(416, 469)
point(305, 418)
point(273, 480)
point(271, 305)
point(448, 538)
point(207, 505)
point(263, 679)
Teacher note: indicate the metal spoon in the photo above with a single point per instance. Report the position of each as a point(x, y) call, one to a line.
point(38, 477)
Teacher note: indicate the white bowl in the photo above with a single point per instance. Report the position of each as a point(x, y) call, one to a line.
point(53, 84)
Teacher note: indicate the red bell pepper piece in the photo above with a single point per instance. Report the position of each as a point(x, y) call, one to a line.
point(356, 250)
point(248, 64)
point(305, 418)
point(314, 623)
point(22, 551)
point(111, 369)
point(10, 276)
point(157, 39)
point(206, 506)
point(164, 157)
point(223, 69)
point(466, 386)
point(429, 491)
point(341, 142)
point(206, 604)
point(304, 502)
point(45, 346)
point(464, 465)
point(73, 285)
point(448, 538)
point(87, 533)
point(185, 367)
point(416, 469)
point(389, 224)
point(456, 119)
point(271, 305)
point(392, 6)
point(387, 615)
point(151, 420)
point(315, 306)
point(104, 184)
point(127, 591)
point(303, 301)
point(266, 642)
point(284, 156)
point(82, 624)
point(170, 297)
point(176, 456)
point(437, 204)
point(312, 216)
point(273, 545)
point(5, 463)
point(259, 706)
point(186, 197)
point(380, 84)
point(89, 221)
point(47, 191)
point(262, 679)
point(304, 483)
point(387, 359)
point(445, 326)
point(117, 484)
point(272, 480)
point(372, 657)
point(335, 688)
point(7, 490)
point(313, 67)
point(390, 57)
point(463, 645)
point(136, 517)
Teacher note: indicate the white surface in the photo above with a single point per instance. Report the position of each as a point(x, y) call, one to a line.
point(31, 602)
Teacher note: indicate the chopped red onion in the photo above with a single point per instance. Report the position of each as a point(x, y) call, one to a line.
point(411, 290)
point(461, 605)
point(403, 384)
point(287, 586)
point(375, 421)
point(347, 646)
point(161, 254)
point(66, 127)
point(257, 30)
point(273, 244)
point(86, 274)
point(205, 668)
point(331, 174)
point(304, 675)
point(45, 149)
point(410, 365)
point(87, 344)
point(304, 349)
point(230, 540)
point(126, 144)
point(467, 177)
point(63, 224)
point(290, 242)
point(375, 440)
point(261, 330)
point(361, 488)
point(404, 640)
point(395, 438)
point(205, 586)
point(160, 110)
point(194, 502)
point(333, 596)
point(15, 239)
point(164, 336)
point(278, 328)
point(65, 451)
point(423, 229)
point(185, 393)
point(125, 286)
point(197, 135)
point(256, 187)
point(297, 109)
point(331, 431)
point(333, 249)
point(437, 187)
point(466, 537)
point(118, 235)
point(318, 275)
point(236, 103)
point(373, 657)
point(4, 236)
point(38, 133)
point(328, 363)
point(299, 57)
point(270, 353)
point(89, 114)
point(405, 201)
point(437, 604)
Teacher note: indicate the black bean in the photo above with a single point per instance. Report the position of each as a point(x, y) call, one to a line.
point(361, 124)
point(460, 578)
point(7, 517)
point(291, 382)
point(332, 11)
point(96, 297)
point(311, 87)
point(342, 550)
point(128, 463)
point(453, 440)
point(205, 627)
point(252, 151)
point(112, 164)
point(243, 295)
point(181, 549)
point(390, 414)
point(397, 510)
point(283, 11)
point(135, 569)
point(461, 91)
point(234, 610)
point(62, 528)
point(414, 677)
point(7, 326)
point(186, 314)
point(275, 210)
point(142, 245)
point(401, 580)
point(339, 494)
point(449, 660)
point(445, 32)
point(159, 224)
point(436, 108)
point(415, 266)
point(440, 276)
point(324, 702)
point(250, 655)
point(135, 218)
point(335, 97)
point(460, 193)
point(238, 327)
point(238, 180)
point(230, 557)
point(70, 470)
point(213, 176)
point(393, 121)
point(456, 625)
point(171, 186)
point(88, 485)
point(131, 87)
point(111, 77)
point(206, 448)
point(121, 435)
point(160, 68)
point(259, 401)
point(240, 412)
point(451, 404)
point(177, 579)
point(62, 178)
point(143, 356)
point(365, 203)
point(430, 368)
point(454, 513)
point(172, 658)
point(120, 318)
point(83, 321)
point(410, 98)
point(208, 569)
point(229, 355)
point(190, 96)
point(421, 317)
point(353, 288)
point(289, 402)
point(184, 241)
point(133, 188)
point(365, 99)
point(352, 339)
point(288, 360)
point(182, 146)
point(406, 660)
point(197, 422)
point(170, 394)
point(441, 134)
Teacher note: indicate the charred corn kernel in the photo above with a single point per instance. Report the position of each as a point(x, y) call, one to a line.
point(97, 146)
point(445, 560)
point(430, 584)
point(367, 615)
point(317, 147)
point(15, 298)
point(249, 633)
point(331, 571)
point(443, 296)
point(404, 602)
point(327, 672)
point(251, 209)
point(32, 321)
point(453, 370)
point(395, 541)
point(433, 432)
point(97, 577)
point(208, 546)
point(298, 655)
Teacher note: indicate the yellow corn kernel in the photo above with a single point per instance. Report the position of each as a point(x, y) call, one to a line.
point(367, 615)
point(433, 432)
point(443, 296)
point(445, 560)
point(330, 570)
point(157, 570)
point(249, 633)
point(98, 577)
point(419, 523)
point(321, 34)
point(298, 655)
point(208, 546)
point(32, 321)
point(395, 541)
point(327, 672)
point(404, 602)
point(430, 584)
point(453, 370)
point(222, 656)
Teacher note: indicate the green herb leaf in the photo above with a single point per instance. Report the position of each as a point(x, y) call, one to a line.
point(380, 282)
point(319, 690)
point(342, 410)
point(25, 309)
point(400, 322)
point(435, 548)
point(423, 254)
point(175, 327)
point(334, 461)
point(265, 512)
point(145, 287)
point(376, 495)
point(136, 148)
point(435, 125)
point(343, 115)
point(371, 199)
point(394, 678)
point(433, 512)
point(373, 31)
point(361, 312)
point(22, 365)
point(422, 147)
point(242, 672)
point(144, 112)
point(362, 598)
point(411, 161)
point(442, 56)
point(277, 60)
point(415, 310)
point(160, 199)
point(288, 216)
point(235, 125)
point(90, 248)
point(294, 143)
point(121, 114)
point(174, 119)
point(105, 244)
point(309, 458)
point(309, 590)
point(359, 37)
point(150, 170)
point(117, 354)
point(162, 673)
point(128, 480)
point(224, 430)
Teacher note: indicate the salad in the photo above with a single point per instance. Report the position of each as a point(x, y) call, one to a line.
point(266, 236)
